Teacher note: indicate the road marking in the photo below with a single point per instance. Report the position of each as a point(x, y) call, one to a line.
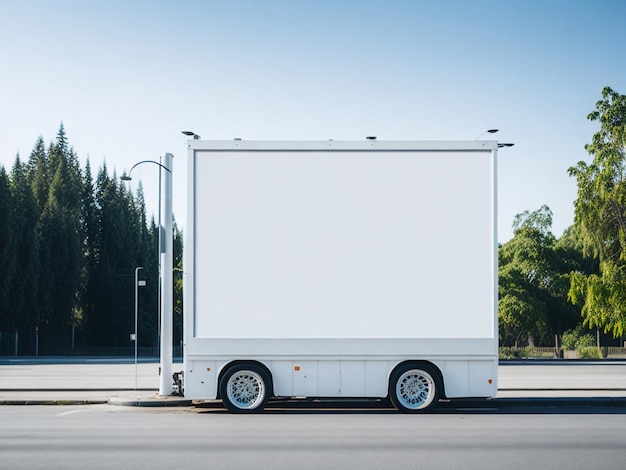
point(66, 413)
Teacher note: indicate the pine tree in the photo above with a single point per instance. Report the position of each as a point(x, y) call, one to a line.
point(69, 251)
point(90, 231)
point(148, 258)
point(7, 254)
point(178, 285)
point(109, 298)
point(25, 282)
point(38, 171)
point(61, 245)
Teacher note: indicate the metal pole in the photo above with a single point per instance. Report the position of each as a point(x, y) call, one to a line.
point(159, 271)
point(167, 290)
point(137, 269)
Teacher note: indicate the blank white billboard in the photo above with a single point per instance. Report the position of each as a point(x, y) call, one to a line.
point(361, 244)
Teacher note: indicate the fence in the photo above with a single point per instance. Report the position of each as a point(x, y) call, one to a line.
point(8, 344)
point(532, 352)
point(9, 347)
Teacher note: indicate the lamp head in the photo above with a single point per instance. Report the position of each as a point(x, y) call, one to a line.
point(191, 134)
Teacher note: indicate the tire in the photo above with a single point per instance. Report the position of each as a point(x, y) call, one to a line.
point(245, 388)
point(414, 388)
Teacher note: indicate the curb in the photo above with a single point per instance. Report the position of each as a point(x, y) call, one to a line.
point(52, 402)
point(538, 402)
point(152, 402)
point(477, 403)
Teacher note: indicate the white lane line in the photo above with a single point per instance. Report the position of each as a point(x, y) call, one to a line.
point(66, 413)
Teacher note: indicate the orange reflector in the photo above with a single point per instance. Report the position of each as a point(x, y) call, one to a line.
point(489, 381)
point(208, 369)
point(296, 367)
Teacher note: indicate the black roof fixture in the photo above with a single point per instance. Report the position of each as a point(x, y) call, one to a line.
point(191, 134)
point(488, 131)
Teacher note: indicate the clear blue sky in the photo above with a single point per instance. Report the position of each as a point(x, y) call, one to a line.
point(125, 77)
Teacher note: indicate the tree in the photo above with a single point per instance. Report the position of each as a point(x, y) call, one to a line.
point(61, 255)
point(90, 231)
point(38, 171)
point(7, 257)
point(178, 285)
point(25, 281)
point(533, 282)
point(68, 251)
point(148, 257)
point(600, 218)
point(60, 238)
point(108, 300)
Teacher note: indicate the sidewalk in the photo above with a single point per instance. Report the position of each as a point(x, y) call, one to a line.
point(91, 381)
point(94, 382)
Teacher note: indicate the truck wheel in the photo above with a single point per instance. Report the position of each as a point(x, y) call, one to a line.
point(414, 388)
point(245, 388)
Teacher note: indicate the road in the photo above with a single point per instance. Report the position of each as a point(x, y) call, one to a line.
point(490, 435)
point(103, 437)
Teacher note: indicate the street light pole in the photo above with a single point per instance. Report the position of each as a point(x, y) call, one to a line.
point(166, 273)
point(488, 131)
point(167, 289)
point(138, 284)
point(160, 241)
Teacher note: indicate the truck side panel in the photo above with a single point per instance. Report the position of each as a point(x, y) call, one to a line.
point(330, 263)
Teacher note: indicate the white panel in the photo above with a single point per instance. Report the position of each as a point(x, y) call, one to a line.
point(480, 372)
point(352, 378)
point(376, 378)
point(282, 376)
point(329, 379)
point(201, 379)
point(456, 378)
point(344, 245)
point(305, 379)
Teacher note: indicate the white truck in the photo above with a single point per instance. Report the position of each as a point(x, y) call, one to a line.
point(361, 269)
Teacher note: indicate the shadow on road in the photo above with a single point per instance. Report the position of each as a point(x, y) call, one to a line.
point(537, 406)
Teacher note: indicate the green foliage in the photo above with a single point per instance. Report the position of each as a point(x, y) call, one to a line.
point(525, 352)
point(568, 340)
point(600, 218)
point(576, 339)
point(60, 241)
point(591, 352)
point(7, 261)
point(178, 286)
point(507, 353)
point(76, 243)
point(22, 304)
point(539, 221)
point(534, 280)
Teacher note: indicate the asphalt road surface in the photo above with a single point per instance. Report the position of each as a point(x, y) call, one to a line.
point(573, 435)
point(104, 436)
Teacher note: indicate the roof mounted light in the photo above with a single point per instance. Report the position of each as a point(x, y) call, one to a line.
point(191, 134)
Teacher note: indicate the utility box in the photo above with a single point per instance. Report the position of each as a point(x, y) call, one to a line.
point(340, 269)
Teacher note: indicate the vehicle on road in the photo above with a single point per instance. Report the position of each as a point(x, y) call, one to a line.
point(340, 269)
